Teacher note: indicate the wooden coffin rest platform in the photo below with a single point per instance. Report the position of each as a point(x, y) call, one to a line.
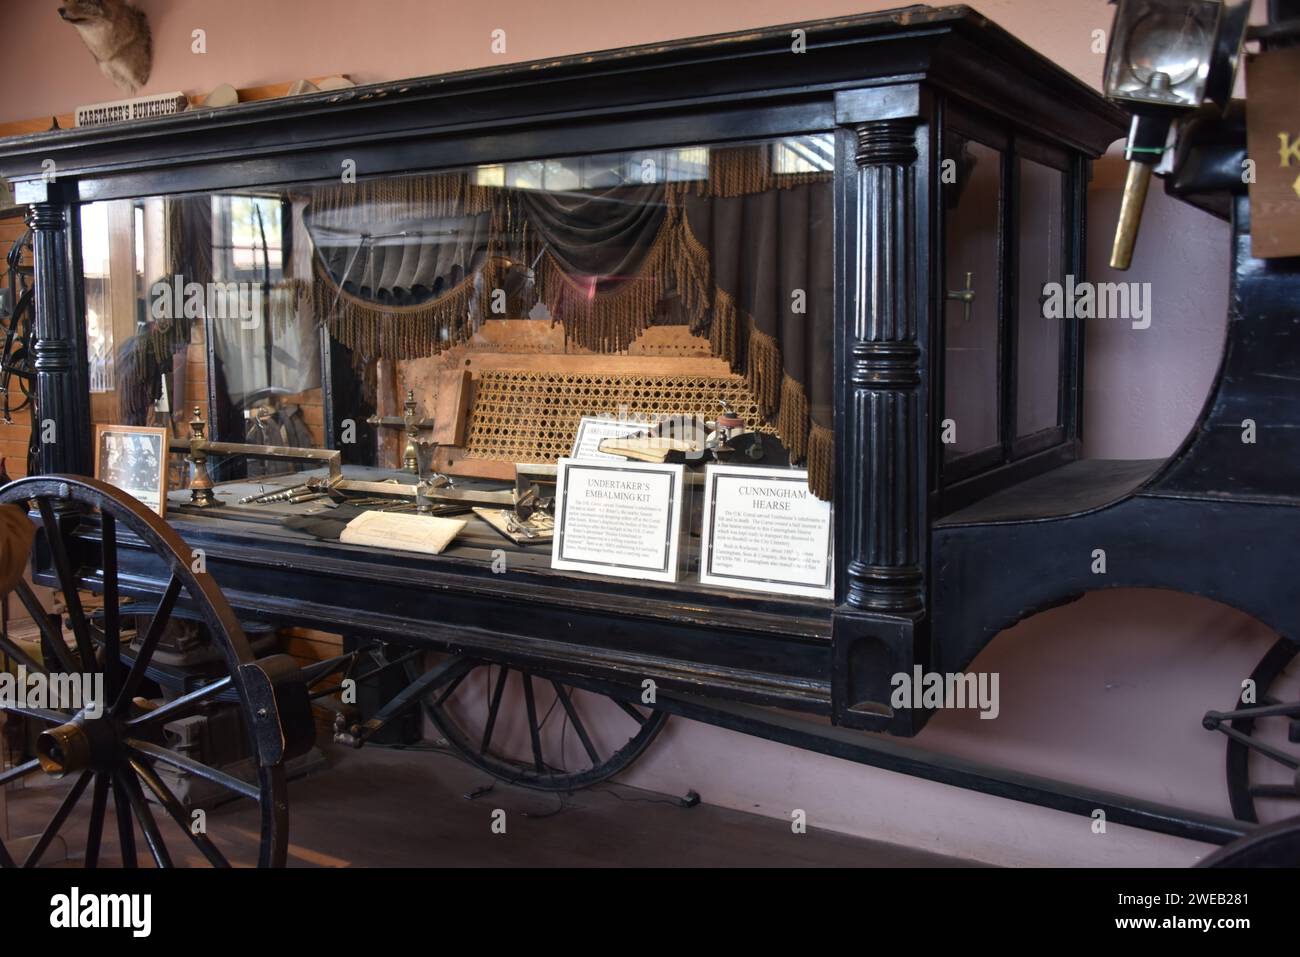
point(516, 391)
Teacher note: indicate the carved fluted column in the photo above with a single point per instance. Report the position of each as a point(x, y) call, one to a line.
point(62, 375)
point(886, 480)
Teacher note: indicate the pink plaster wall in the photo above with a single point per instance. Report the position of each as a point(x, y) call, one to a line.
point(1108, 691)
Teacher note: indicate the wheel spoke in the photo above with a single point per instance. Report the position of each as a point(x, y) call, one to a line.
point(636, 715)
point(125, 827)
point(1266, 709)
point(144, 817)
point(1281, 757)
point(1275, 791)
point(493, 709)
point(159, 753)
point(12, 650)
point(19, 771)
point(83, 552)
point(56, 822)
point(112, 608)
point(152, 635)
point(448, 691)
point(68, 582)
point(177, 707)
point(53, 637)
point(41, 714)
point(177, 813)
point(577, 724)
point(534, 732)
point(98, 811)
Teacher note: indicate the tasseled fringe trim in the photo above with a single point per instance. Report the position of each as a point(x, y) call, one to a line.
point(285, 300)
point(602, 322)
point(750, 353)
point(792, 423)
point(742, 170)
point(724, 330)
point(763, 370)
point(405, 332)
point(409, 197)
point(611, 320)
point(821, 462)
point(732, 337)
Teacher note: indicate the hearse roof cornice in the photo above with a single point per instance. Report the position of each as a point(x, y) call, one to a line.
point(953, 48)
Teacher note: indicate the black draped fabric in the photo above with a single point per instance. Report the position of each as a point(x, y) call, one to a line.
point(751, 271)
point(772, 258)
point(610, 260)
point(189, 240)
point(596, 233)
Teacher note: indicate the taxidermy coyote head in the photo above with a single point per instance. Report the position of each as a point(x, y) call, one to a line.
point(118, 37)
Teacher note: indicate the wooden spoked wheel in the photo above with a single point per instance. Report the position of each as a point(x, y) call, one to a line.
point(1263, 759)
point(532, 730)
point(114, 751)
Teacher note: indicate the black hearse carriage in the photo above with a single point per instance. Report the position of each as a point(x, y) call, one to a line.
point(513, 248)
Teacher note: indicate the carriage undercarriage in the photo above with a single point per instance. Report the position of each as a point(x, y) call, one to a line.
point(115, 763)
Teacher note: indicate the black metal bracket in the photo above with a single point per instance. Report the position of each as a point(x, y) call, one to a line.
point(445, 673)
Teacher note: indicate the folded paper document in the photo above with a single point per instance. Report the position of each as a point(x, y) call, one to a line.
point(408, 533)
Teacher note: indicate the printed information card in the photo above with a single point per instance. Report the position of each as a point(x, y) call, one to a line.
point(765, 531)
point(619, 519)
point(593, 429)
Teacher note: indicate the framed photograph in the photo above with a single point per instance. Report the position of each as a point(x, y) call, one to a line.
point(134, 458)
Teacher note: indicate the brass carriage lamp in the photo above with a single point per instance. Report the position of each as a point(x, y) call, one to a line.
point(1166, 58)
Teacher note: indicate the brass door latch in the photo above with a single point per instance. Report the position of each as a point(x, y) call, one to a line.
point(964, 296)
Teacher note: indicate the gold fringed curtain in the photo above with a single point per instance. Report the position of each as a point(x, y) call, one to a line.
point(404, 268)
point(393, 331)
point(400, 200)
point(745, 170)
point(767, 240)
point(606, 316)
point(732, 248)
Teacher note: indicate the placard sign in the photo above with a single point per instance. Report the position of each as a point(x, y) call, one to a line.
point(591, 429)
point(765, 531)
point(619, 519)
point(1273, 142)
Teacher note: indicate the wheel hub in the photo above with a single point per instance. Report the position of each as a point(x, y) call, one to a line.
point(78, 745)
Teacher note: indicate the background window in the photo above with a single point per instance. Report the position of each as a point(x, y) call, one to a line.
point(1042, 260)
point(972, 340)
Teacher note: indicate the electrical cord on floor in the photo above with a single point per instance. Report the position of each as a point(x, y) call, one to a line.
point(427, 748)
point(560, 805)
point(689, 800)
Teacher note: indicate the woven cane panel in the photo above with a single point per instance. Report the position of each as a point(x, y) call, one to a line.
point(527, 416)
